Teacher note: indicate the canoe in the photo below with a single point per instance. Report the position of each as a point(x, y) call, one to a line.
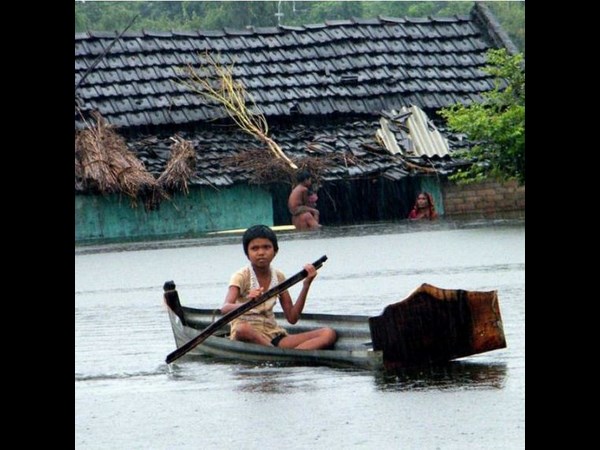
point(431, 325)
point(353, 347)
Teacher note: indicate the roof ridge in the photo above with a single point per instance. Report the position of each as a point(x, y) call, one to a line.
point(484, 15)
point(381, 20)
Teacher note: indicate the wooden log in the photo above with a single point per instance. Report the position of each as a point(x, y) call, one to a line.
point(433, 325)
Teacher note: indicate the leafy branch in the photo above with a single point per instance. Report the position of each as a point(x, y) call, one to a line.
point(497, 124)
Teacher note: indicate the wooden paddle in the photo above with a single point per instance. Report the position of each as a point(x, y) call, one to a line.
point(224, 320)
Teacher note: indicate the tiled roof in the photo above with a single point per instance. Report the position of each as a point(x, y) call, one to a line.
point(356, 73)
point(339, 67)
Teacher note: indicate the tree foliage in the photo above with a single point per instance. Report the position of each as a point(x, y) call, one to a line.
point(497, 124)
point(194, 15)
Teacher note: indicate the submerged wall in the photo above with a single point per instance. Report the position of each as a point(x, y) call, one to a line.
point(203, 210)
point(485, 199)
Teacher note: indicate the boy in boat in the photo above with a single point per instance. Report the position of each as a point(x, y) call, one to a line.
point(259, 325)
point(304, 216)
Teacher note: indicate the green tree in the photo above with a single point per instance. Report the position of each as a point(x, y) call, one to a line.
point(497, 124)
point(207, 15)
point(239, 15)
point(322, 11)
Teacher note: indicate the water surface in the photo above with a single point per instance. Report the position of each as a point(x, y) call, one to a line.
point(127, 397)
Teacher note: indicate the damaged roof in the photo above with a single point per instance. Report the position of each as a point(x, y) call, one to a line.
point(350, 139)
point(323, 88)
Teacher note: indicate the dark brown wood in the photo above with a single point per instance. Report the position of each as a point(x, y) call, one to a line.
point(224, 320)
point(172, 300)
point(433, 325)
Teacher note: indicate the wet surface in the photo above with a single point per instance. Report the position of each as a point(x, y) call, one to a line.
point(127, 397)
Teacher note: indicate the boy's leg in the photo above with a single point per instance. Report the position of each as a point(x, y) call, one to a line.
point(246, 333)
point(310, 340)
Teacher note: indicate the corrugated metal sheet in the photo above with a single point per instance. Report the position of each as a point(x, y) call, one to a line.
point(387, 137)
point(426, 137)
point(421, 137)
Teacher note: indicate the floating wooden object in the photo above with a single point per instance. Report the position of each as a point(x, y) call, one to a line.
point(434, 325)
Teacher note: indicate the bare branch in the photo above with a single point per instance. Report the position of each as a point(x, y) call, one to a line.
point(231, 95)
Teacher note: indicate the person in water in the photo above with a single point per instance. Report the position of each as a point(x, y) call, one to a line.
point(304, 216)
point(258, 325)
point(423, 208)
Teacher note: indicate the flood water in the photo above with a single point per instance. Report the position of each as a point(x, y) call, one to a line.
point(126, 397)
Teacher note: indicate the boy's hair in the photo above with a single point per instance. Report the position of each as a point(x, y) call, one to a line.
point(259, 231)
point(303, 175)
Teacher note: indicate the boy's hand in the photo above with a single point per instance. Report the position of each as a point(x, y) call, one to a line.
point(312, 273)
point(254, 293)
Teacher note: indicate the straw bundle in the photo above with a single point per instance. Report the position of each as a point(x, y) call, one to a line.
point(180, 167)
point(105, 164)
point(263, 169)
point(224, 90)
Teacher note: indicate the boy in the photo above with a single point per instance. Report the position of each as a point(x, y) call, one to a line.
point(259, 325)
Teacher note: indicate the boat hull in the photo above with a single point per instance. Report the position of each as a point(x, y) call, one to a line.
point(352, 349)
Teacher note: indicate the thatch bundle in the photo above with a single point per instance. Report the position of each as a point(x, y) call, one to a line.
point(263, 169)
point(180, 167)
point(104, 163)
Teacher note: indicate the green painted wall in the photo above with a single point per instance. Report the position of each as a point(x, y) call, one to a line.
point(203, 210)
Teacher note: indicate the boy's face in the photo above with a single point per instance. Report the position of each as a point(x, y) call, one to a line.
point(261, 252)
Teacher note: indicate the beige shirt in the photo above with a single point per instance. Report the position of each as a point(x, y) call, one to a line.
point(261, 317)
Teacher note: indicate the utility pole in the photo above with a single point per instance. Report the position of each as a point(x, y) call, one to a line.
point(279, 14)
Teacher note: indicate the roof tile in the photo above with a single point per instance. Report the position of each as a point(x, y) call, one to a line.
point(362, 64)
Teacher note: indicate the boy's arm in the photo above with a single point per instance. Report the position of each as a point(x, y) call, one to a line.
point(229, 305)
point(232, 295)
point(292, 311)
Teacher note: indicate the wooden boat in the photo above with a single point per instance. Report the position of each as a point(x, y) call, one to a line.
point(431, 325)
point(353, 347)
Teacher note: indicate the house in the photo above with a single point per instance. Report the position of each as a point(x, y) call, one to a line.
point(325, 90)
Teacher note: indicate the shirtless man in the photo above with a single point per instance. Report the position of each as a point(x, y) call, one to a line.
point(303, 216)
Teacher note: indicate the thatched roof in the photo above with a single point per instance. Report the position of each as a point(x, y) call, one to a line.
point(104, 164)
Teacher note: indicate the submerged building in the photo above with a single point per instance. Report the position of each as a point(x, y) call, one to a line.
point(354, 101)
